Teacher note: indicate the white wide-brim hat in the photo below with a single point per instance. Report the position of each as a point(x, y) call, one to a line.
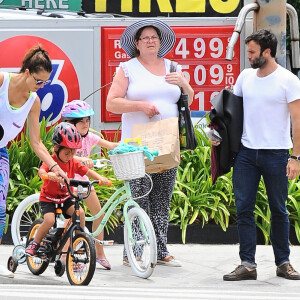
point(167, 36)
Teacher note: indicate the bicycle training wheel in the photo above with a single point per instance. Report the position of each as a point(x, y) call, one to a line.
point(141, 251)
point(35, 264)
point(81, 266)
point(24, 215)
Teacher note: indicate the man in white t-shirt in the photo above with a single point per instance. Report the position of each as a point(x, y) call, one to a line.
point(271, 98)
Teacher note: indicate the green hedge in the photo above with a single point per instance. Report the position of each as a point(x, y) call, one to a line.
point(195, 198)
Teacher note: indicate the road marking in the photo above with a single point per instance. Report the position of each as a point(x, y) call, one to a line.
point(111, 292)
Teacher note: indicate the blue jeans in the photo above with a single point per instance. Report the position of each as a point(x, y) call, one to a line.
point(249, 166)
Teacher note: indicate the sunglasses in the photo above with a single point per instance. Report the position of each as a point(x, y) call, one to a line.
point(40, 82)
point(147, 39)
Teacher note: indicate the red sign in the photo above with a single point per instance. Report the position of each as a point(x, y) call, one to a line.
point(200, 50)
point(64, 84)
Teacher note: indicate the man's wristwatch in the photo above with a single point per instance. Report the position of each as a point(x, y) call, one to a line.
point(296, 157)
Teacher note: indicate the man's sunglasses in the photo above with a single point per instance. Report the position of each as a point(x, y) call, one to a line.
point(40, 82)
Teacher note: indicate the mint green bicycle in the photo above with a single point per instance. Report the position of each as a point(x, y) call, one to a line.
point(139, 235)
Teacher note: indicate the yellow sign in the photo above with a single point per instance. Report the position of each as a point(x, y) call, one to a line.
point(163, 7)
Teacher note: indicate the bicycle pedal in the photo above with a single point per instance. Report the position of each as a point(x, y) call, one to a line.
point(108, 243)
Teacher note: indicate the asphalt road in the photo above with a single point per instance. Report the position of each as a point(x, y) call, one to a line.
point(200, 277)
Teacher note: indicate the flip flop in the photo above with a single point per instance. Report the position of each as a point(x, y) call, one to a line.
point(104, 263)
point(127, 263)
point(78, 267)
point(169, 261)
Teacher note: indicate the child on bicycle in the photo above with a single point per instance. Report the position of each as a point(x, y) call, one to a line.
point(66, 140)
point(79, 113)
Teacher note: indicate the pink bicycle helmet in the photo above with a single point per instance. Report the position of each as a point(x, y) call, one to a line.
point(76, 109)
point(66, 135)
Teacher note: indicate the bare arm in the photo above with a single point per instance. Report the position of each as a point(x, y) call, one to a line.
point(96, 176)
point(118, 104)
point(35, 139)
point(1, 79)
point(107, 144)
point(293, 166)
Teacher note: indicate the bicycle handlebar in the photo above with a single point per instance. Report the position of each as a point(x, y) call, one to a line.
point(75, 182)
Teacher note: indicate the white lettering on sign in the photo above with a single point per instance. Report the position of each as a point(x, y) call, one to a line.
point(229, 76)
point(199, 47)
point(37, 4)
point(216, 73)
point(117, 44)
point(52, 2)
point(62, 5)
point(186, 73)
point(57, 4)
point(119, 54)
point(27, 1)
point(200, 97)
point(181, 48)
point(216, 45)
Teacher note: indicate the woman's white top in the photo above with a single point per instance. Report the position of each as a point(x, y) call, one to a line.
point(12, 120)
point(145, 86)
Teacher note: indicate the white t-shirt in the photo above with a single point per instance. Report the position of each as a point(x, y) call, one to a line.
point(145, 86)
point(266, 112)
point(12, 120)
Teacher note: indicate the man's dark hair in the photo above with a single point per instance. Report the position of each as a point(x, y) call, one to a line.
point(265, 39)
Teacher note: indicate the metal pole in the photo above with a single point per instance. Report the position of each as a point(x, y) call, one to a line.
point(272, 15)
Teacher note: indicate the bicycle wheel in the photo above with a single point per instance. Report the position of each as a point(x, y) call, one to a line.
point(141, 251)
point(24, 215)
point(35, 264)
point(81, 266)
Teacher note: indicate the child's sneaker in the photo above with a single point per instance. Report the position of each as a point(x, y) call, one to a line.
point(5, 273)
point(32, 249)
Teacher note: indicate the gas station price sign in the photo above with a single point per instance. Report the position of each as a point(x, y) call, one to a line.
point(200, 50)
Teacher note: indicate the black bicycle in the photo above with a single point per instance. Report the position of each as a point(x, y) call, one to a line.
point(81, 254)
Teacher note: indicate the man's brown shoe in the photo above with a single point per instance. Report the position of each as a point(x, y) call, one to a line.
point(288, 272)
point(240, 273)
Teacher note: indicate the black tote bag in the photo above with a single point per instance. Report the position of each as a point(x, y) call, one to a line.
point(187, 137)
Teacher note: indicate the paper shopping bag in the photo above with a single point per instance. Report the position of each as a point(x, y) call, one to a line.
point(162, 136)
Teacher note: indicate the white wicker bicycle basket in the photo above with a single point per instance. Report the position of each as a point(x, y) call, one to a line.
point(129, 165)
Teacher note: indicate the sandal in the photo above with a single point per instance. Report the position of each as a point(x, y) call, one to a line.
point(78, 267)
point(104, 263)
point(127, 263)
point(169, 261)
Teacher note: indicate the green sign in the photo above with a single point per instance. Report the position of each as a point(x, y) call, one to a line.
point(73, 5)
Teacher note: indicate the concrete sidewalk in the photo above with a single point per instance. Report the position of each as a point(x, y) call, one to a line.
point(203, 267)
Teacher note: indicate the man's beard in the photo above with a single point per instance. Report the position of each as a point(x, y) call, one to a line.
point(258, 62)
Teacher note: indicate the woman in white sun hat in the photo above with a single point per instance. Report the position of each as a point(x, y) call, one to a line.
point(143, 88)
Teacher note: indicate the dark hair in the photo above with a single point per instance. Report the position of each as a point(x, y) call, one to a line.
point(138, 35)
point(75, 121)
point(36, 60)
point(265, 39)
